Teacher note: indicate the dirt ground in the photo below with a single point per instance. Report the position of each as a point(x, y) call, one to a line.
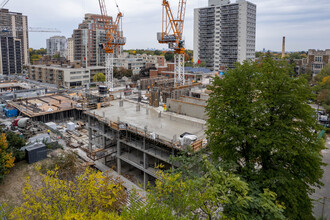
point(13, 184)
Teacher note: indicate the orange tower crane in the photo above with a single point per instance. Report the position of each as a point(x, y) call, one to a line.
point(172, 34)
point(114, 38)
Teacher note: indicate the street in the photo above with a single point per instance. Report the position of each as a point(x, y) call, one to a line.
point(322, 196)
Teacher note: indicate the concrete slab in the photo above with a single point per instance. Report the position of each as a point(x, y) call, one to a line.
point(165, 126)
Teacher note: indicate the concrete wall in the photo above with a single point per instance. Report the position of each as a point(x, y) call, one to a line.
point(193, 100)
point(185, 108)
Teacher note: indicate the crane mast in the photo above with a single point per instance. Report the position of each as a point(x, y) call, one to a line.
point(172, 34)
point(114, 38)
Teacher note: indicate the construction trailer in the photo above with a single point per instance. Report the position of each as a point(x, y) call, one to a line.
point(135, 139)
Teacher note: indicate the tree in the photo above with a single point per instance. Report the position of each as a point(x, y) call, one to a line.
point(91, 195)
point(15, 143)
point(6, 157)
point(215, 195)
point(99, 77)
point(66, 164)
point(121, 72)
point(262, 128)
point(169, 56)
point(323, 86)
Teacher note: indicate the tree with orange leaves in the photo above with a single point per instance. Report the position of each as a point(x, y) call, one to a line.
point(6, 157)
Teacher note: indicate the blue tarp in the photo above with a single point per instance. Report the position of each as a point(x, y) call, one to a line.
point(10, 112)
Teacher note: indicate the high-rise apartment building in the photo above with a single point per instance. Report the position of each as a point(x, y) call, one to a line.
point(14, 42)
point(57, 45)
point(10, 55)
point(224, 33)
point(70, 55)
point(87, 39)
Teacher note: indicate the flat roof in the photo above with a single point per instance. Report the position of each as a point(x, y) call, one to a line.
point(44, 105)
point(167, 126)
point(12, 84)
point(68, 67)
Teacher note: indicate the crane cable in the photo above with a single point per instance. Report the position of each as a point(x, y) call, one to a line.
point(115, 3)
point(4, 3)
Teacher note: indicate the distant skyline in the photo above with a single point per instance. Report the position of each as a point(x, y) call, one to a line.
point(305, 23)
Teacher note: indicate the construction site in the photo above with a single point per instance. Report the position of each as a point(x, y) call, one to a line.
point(132, 129)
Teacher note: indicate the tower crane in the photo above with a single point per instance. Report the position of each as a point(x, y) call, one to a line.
point(114, 38)
point(172, 33)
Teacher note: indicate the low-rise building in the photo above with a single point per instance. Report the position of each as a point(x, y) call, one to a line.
point(63, 76)
point(138, 62)
point(314, 63)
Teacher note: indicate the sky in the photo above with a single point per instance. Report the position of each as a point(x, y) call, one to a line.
point(305, 23)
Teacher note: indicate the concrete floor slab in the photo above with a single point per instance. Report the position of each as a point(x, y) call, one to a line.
point(165, 126)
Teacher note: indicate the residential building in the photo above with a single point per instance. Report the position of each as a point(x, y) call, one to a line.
point(70, 54)
point(57, 45)
point(63, 76)
point(15, 44)
point(224, 33)
point(10, 55)
point(138, 62)
point(87, 39)
point(314, 63)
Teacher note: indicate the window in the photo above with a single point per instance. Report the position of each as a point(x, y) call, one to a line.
point(75, 77)
point(318, 59)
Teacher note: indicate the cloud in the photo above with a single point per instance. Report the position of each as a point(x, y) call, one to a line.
point(304, 22)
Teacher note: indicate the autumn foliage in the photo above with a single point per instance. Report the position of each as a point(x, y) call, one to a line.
point(91, 195)
point(6, 157)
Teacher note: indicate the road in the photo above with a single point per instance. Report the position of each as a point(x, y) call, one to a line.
point(322, 196)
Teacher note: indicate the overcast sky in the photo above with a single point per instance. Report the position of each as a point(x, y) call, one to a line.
point(305, 23)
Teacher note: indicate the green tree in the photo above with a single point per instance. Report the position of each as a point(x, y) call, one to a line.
point(15, 143)
point(121, 72)
point(215, 195)
point(6, 157)
point(99, 77)
point(169, 56)
point(262, 128)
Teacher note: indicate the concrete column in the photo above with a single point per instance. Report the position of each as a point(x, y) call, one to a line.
point(103, 137)
point(145, 180)
point(145, 166)
point(118, 154)
point(89, 134)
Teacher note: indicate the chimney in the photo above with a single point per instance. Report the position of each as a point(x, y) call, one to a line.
point(283, 48)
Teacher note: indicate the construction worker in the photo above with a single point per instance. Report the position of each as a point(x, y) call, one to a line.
point(165, 108)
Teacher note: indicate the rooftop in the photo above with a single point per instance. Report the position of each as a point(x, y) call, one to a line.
point(59, 67)
point(167, 126)
point(44, 105)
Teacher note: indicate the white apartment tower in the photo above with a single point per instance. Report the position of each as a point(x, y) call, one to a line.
point(224, 33)
point(57, 45)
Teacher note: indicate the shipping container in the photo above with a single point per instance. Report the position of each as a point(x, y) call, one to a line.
point(36, 152)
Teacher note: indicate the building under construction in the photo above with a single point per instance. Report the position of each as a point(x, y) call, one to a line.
point(48, 108)
point(134, 139)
